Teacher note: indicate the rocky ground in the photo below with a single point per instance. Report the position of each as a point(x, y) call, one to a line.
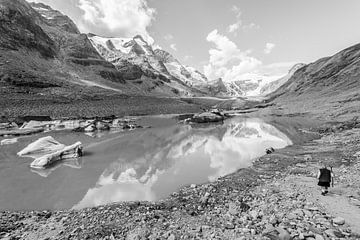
point(275, 199)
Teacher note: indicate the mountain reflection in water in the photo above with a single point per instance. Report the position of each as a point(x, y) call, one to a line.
point(156, 162)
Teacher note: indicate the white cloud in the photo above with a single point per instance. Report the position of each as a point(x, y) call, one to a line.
point(125, 18)
point(269, 47)
point(173, 47)
point(227, 61)
point(168, 37)
point(234, 27)
point(237, 11)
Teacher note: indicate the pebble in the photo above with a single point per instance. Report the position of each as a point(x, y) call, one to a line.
point(319, 237)
point(339, 221)
point(229, 225)
point(233, 209)
point(172, 237)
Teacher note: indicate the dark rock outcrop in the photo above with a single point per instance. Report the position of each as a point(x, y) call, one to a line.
point(19, 29)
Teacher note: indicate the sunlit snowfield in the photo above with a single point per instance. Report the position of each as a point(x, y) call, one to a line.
point(145, 164)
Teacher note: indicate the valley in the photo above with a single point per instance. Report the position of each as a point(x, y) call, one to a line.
point(169, 153)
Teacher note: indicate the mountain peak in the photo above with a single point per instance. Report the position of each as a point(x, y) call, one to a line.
point(55, 18)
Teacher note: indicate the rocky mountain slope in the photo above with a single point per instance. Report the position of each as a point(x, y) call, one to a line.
point(274, 85)
point(329, 86)
point(42, 53)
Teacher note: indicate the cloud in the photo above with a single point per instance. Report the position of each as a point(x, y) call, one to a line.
point(234, 27)
point(173, 47)
point(110, 18)
point(227, 61)
point(237, 11)
point(168, 37)
point(124, 17)
point(269, 47)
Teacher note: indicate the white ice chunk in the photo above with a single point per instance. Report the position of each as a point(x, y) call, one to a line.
point(67, 152)
point(8, 141)
point(47, 150)
point(41, 147)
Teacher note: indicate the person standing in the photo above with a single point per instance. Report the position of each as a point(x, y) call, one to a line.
point(325, 177)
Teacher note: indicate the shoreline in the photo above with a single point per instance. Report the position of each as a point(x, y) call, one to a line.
point(222, 209)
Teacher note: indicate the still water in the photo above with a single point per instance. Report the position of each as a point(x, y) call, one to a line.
point(145, 164)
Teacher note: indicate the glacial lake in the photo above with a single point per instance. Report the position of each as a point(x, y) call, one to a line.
point(145, 164)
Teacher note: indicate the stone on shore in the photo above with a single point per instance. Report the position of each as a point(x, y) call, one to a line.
point(339, 221)
point(8, 125)
point(20, 132)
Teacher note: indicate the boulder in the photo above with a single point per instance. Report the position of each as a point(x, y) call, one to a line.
point(20, 132)
point(270, 150)
point(90, 128)
point(319, 237)
point(47, 151)
point(283, 234)
point(339, 220)
point(102, 126)
point(33, 118)
point(207, 117)
point(40, 124)
point(8, 125)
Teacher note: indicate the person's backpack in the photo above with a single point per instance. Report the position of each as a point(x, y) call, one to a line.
point(325, 175)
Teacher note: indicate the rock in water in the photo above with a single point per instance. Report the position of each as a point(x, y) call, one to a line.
point(47, 151)
point(207, 117)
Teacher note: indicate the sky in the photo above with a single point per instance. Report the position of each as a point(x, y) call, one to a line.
point(226, 38)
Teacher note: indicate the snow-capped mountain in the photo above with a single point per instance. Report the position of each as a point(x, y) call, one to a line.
point(249, 84)
point(157, 63)
point(153, 63)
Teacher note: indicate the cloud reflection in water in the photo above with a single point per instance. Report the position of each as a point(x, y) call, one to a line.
point(189, 155)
